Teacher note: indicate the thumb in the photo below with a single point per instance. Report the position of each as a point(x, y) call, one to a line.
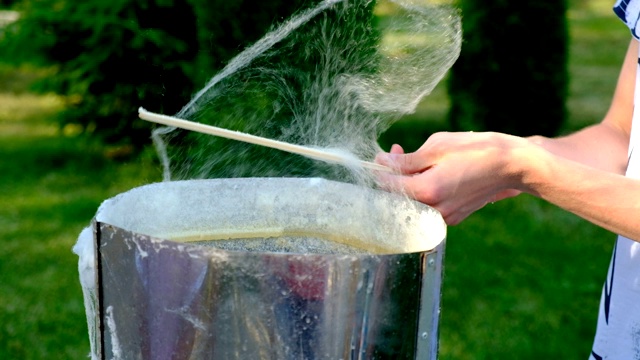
point(411, 163)
point(396, 149)
point(404, 163)
point(387, 159)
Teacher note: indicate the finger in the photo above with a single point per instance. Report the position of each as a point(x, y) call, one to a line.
point(412, 163)
point(416, 187)
point(390, 182)
point(398, 183)
point(455, 218)
point(396, 149)
point(388, 159)
point(455, 215)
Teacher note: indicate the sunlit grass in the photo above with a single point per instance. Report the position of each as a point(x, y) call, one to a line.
point(18, 111)
point(50, 188)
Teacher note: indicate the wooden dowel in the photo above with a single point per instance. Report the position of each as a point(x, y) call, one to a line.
point(313, 153)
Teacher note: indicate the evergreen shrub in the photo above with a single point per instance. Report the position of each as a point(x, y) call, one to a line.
point(111, 58)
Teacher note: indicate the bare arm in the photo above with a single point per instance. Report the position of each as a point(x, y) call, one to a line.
point(458, 173)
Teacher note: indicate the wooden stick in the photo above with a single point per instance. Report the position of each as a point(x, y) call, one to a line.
point(313, 153)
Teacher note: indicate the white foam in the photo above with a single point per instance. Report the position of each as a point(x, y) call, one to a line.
point(221, 209)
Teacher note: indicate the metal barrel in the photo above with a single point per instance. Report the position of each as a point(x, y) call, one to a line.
point(268, 268)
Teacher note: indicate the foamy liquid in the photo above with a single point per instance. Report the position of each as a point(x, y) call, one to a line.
point(289, 243)
point(286, 244)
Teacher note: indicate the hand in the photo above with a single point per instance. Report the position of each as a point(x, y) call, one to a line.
point(456, 173)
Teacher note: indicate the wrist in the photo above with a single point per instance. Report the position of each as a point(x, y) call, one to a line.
point(530, 164)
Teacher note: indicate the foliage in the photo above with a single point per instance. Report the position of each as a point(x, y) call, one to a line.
point(110, 58)
point(6, 4)
point(512, 74)
point(113, 57)
point(227, 27)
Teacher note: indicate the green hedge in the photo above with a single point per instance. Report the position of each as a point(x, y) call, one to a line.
point(225, 28)
point(512, 74)
point(112, 57)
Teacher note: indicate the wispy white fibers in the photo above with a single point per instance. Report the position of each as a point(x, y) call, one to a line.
point(417, 52)
point(244, 58)
point(334, 76)
point(113, 332)
point(240, 61)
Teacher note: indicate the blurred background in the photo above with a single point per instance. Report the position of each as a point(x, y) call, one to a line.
point(522, 278)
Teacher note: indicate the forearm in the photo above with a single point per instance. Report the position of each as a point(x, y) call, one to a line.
point(582, 172)
point(459, 173)
point(601, 146)
point(606, 199)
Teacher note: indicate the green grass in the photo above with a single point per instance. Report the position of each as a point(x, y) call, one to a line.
point(522, 281)
point(522, 278)
point(50, 188)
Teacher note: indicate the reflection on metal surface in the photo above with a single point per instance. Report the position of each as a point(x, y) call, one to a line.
point(163, 299)
point(172, 300)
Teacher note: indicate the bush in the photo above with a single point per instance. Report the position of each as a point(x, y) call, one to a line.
point(110, 58)
point(225, 28)
point(512, 74)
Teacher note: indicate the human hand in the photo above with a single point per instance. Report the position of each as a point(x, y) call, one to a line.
point(456, 173)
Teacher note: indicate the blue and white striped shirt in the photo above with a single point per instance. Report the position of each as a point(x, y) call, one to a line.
point(629, 12)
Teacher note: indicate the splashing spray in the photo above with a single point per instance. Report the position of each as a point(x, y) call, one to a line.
point(333, 76)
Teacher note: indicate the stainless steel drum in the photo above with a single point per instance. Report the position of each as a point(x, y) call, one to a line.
point(267, 268)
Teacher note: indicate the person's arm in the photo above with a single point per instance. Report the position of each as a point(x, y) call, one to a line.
point(458, 173)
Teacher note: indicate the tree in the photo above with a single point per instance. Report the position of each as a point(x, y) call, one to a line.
point(225, 28)
point(111, 58)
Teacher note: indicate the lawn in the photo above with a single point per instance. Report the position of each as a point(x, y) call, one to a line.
point(51, 186)
point(522, 278)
